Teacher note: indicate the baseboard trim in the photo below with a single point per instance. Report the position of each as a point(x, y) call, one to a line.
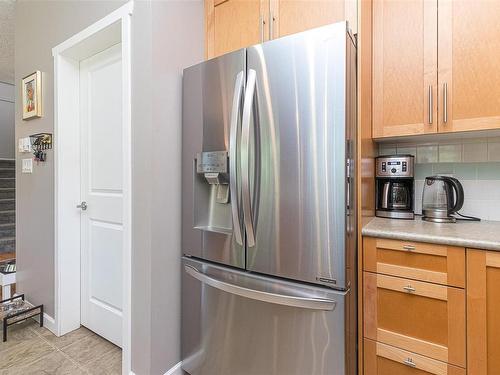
point(176, 370)
point(48, 322)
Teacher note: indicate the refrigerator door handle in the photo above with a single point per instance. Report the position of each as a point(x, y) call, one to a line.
point(233, 156)
point(245, 156)
point(312, 303)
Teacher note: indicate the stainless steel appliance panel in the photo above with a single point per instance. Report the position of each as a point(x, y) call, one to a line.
point(237, 323)
point(211, 214)
point(297, 153)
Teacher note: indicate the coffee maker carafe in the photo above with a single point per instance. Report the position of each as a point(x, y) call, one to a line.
point(395, 186)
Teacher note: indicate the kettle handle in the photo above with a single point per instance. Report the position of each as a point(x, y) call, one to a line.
point(459, 194)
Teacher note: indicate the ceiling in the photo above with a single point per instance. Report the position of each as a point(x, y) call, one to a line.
point(7, 41)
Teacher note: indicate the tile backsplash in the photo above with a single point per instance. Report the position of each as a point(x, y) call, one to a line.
point(475, 162)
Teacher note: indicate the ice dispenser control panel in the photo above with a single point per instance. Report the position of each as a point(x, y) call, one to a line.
point(212, 162)
point(214, 167)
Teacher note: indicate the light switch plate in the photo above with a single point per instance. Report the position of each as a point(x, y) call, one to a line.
point(27, 165)
point(24, 144)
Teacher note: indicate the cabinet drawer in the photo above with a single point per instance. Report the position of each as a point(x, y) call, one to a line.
point(420, 317)
point(382, 359)
point(438, 264)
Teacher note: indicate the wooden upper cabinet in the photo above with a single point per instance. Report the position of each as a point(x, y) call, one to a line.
point(293, 16)
point(404, 67)
point(234, 24)
point(469, 70)
point(483, 312)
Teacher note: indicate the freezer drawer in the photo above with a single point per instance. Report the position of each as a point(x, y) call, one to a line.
point(237, 323)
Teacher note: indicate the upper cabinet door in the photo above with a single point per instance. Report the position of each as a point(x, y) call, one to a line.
point(293, 16)
point(234, 24)
point(469, 70)
point(404, 67)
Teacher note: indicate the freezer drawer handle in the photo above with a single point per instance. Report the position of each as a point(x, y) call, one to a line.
point(279, 299)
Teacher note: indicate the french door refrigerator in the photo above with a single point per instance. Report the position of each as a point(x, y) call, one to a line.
point(269, 208)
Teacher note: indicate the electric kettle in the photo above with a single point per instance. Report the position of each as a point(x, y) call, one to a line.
point(442, 197)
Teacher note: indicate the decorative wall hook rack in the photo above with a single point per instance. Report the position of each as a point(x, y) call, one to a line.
point(39, 143)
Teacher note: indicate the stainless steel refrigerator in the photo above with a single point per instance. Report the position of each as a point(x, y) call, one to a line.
point(269, 208)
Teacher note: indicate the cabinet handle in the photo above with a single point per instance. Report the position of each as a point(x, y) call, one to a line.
point(409, 247)
point(409, 362)
point(430, 104)
point(262, 24)
point(409, 288)
point(445, 102)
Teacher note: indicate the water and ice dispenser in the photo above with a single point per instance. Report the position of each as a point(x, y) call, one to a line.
point(212, 210)
point(215, 168)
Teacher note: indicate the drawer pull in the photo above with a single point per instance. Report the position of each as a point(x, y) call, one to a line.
point(409, 288)
point(409, 247)
point(409, 362)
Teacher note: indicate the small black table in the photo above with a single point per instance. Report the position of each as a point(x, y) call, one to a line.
point(16, 309)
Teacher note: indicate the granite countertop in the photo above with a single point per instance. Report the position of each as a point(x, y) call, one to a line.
point(480, 235)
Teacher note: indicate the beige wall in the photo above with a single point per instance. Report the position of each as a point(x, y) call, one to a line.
point(166, 36)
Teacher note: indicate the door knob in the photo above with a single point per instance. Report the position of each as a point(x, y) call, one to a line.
point(82, 206)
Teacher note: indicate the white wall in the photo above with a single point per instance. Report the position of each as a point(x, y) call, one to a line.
point(167, 36)
point(7, 141)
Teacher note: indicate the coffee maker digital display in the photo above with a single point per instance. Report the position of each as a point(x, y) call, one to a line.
point(395, 186)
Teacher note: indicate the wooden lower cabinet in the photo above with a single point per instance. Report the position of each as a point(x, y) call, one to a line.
point(382, 359)
point(483, 312)
point(420, 317)
point(440, 264)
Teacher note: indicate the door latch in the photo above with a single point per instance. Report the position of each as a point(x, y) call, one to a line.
point(82, 206)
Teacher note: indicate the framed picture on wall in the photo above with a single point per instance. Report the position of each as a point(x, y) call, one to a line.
point(32, 95)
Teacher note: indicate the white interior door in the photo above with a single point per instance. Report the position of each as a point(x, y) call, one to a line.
point(102, 191)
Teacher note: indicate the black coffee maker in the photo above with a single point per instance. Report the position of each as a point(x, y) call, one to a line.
point(394, 187)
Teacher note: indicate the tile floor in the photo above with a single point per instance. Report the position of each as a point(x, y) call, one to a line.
point(31, 350)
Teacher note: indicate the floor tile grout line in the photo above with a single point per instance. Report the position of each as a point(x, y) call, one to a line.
point(38, 335)
point(57, 349)
point(99, 357)
point(24, 365)
point(36, 359)
point(74, 361)
point(83, 366)
point(67, 356)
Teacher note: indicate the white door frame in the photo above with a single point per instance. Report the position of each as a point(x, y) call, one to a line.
point(112, 29)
